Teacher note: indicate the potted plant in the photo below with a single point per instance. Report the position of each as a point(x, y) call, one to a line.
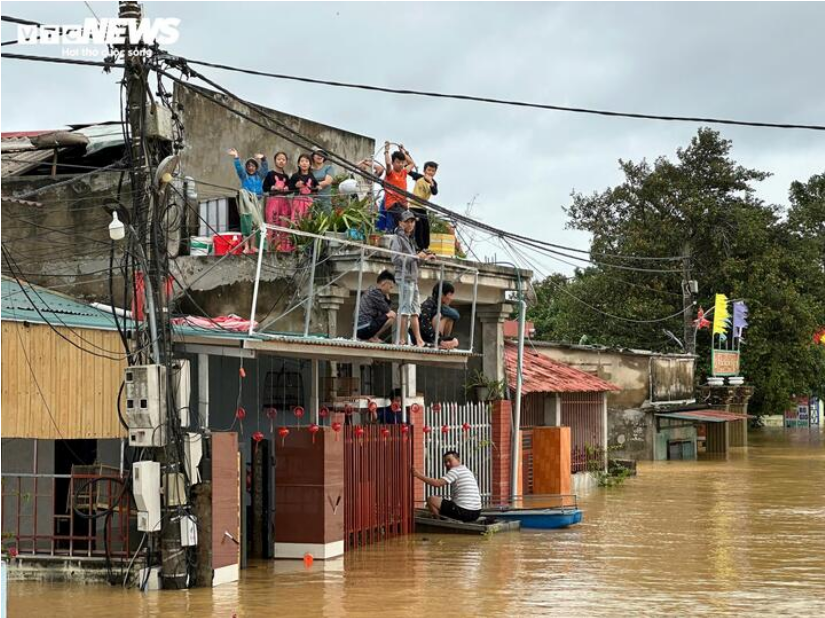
point(484, 388)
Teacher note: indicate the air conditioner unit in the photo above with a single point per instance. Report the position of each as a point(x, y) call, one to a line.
point(145, 387)
point(146, 484)
point(188, 531)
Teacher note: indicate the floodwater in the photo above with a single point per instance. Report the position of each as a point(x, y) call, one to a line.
point(738, 537)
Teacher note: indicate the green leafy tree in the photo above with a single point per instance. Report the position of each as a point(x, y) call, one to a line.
point(702, 203)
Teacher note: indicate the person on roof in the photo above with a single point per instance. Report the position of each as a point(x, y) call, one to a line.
point(429, 317)
point(375, 314)
point(252, 173)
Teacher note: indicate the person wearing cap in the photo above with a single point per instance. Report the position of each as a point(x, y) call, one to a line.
point(323, 172)
point(405, 259)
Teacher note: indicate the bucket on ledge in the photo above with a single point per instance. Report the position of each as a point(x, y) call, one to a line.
point(227, 242)
point(200, 245)
point(443, 244)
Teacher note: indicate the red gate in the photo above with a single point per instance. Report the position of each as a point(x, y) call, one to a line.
point(378, 491)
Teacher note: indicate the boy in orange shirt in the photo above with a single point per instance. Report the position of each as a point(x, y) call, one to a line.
point(398, 168)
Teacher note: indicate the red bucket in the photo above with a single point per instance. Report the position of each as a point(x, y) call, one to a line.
point(227, 242)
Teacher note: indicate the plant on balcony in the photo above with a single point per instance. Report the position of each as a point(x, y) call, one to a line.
point(440, 226)
point(484, 388)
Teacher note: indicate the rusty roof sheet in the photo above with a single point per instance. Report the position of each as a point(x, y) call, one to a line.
point(706, 416)
point(544, 375)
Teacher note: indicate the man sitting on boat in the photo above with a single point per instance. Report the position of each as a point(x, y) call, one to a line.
point(465, 499)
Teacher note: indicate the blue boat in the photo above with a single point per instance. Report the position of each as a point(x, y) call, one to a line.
point(539, 512)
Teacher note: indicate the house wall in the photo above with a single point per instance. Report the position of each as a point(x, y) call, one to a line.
point(211, 130)
point(630, 434)
point(79, 390)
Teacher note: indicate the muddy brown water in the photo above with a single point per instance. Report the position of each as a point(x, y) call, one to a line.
point(738, 537)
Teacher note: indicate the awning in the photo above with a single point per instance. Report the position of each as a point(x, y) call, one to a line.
point(706, 416)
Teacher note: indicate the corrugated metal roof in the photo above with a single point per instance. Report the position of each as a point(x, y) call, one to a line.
point(706, 416)
point(27, 302)
point(16, 162)
point(544, 375)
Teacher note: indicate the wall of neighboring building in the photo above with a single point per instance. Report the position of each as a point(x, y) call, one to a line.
point(74, 394)
point(630, 434)
point(211, 130)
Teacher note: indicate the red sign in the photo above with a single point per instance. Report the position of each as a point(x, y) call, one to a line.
point(725, 363)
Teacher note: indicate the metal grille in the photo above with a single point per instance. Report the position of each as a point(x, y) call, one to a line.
point(582, 412)
point(474, 446)
point(526, 462)
point(532, 410)
point(378, 492)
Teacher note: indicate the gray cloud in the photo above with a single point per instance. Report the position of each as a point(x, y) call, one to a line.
point(758, 61)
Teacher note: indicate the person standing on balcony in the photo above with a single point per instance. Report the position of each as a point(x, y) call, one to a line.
point(278, 206)
point(398, 168)
point(405, 259)
point(375, 314)
point(323, 173)
point(250, 208)
point(464, 503)
point(449, 316)
point(304, 184)
point(425, 187)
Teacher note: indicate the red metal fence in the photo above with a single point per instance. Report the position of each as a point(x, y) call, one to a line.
point(582, 412)
point(378, 491)
point(72, 515)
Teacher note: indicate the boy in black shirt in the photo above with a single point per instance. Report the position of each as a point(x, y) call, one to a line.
point(449, 316)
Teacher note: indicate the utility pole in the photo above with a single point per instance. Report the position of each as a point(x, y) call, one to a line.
point(689, 291)
point(154, 264)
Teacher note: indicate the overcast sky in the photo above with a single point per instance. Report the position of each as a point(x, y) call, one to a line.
point(736, 60)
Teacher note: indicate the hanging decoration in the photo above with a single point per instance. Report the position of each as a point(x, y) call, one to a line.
point(721, 316)
point(298, 411)
point(436, 407)
point(740, 319)
point(240, 414)
point(724, 351)
point(465, 427)
point(242, 372)
point(271, 414)
point(256, 437)
point(313, 429)
point(415, 408)
point(336, 427)
point(445, 429)
point(427, 429)
point(283, 432)
point(385, 433)
point(323, 412)
point(701, 321)
point(405, 430)
point(359, 433)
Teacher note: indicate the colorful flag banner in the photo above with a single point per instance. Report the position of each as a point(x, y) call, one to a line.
point(721, 316)
point(740, 317)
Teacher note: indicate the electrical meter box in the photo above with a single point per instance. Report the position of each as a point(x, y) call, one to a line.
point(145, 387)
point(146, 488)
point(159, 123)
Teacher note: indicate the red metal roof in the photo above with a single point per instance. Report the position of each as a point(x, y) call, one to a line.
point(544, 375)
point(16, 134)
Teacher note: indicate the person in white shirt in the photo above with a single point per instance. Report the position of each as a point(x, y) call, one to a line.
point(464, 503)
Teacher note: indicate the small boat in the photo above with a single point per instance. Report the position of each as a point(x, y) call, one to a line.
point(426, 522)
point(563, 513)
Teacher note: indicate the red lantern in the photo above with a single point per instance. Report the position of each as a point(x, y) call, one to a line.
point(385, 433)
point(336, 427)
point(405, 429)
point(359, 432)
point(13, 552)
point(427, 429)
point(298, 411)
point(372, 406)
point(242, 372)
point(436, 407)
point(271, 414)
point(415, 408)
point(465, 426)
point(240, 414)
point(258, 436)
point(323, 412)
point(445, 429)
point(313, 429)
point(283, 432)
point(395, 407)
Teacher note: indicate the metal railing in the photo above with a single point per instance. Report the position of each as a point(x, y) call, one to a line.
point(363, 250)
point(473, 441)
point(39, 520)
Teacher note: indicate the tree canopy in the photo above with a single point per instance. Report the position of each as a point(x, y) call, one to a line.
point(702, 203)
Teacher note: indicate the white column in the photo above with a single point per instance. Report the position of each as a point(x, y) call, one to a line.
point(203, 389)
point(558, 410)
point(314, 405)
point(604, 427)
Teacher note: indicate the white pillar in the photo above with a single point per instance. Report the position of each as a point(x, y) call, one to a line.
point(314, 378)
point(408, 387)
point(558, 410)
point(203, 390)
point(604, 427)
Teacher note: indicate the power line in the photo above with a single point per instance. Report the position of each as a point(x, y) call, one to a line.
point(496, 101)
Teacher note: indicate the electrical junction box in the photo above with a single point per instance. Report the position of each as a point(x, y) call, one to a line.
point(188, 531)
point(174, 489)
point(182, 387)
point(159, 123)
point(146, 488)
point(193, 449)
point(152, 578)
point(145, 387)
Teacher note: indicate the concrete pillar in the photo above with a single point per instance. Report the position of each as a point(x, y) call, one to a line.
point(492, 319)
point(501, 421)
point(717, 438)
point(604, 427)
point(203, 390)
point(330, 299)
point(418, 437)
point(409, 388)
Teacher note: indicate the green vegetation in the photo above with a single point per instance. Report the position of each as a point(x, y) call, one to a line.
point(773, 257)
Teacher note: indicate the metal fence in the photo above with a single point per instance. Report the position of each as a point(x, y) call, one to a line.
point(66, 515)
point(473, 441)
point(378, 491)
point(582, 412)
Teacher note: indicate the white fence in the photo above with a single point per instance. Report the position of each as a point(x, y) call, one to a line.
point(474, 442)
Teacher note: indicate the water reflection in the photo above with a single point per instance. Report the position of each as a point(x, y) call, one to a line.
point(741, 536)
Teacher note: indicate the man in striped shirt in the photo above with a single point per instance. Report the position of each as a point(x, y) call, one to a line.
point(465, 500)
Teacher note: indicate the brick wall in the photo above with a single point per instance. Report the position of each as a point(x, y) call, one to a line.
point(417, 436)
point(502, 439)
